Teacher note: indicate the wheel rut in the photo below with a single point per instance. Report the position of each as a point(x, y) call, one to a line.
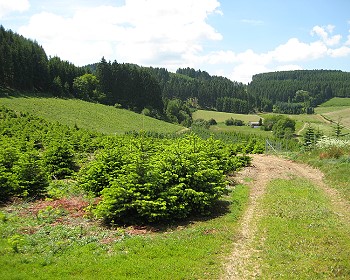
point(243, 263)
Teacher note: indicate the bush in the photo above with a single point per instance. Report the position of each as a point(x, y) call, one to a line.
point(59, 160)
point(212, 122)
point(167, 181)
point(235, 122)
point(201, 123)
point(31, 175)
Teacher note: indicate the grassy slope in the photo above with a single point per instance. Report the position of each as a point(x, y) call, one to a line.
point(96, 117)
point(336, 109)
point(333, 110)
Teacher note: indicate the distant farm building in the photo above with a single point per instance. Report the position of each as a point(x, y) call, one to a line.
point(254, 124)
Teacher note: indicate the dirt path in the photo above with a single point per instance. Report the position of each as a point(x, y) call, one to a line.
point(301, 129)
point(265, 168)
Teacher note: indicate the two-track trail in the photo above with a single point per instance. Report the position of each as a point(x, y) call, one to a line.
point(243, 262)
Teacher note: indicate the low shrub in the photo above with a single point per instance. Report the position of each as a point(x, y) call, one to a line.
point(155, 181)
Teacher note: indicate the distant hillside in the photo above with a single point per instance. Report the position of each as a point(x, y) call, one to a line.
point(95, 117)
point(25, 66)
point(299, 88)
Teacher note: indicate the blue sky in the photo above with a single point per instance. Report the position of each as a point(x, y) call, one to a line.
point(232, 38)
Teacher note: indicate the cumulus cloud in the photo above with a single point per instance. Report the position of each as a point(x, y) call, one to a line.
point(9, 6)
point(294, 50)
point(287, 56)
point(140, 31)
point(324, 33)
point(339, 52)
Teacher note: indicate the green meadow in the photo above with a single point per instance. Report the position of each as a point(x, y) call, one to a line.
point(91, 116)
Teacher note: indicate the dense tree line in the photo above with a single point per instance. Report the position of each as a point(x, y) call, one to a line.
point(310, 87)
point(23, 63)
point(205, 91)
point(131, 86)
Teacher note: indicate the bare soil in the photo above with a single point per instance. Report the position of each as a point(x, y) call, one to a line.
point(243, 262)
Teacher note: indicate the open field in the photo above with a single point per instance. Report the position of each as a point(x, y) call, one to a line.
point(326, 115)
point(223, 116)
point(221, 127)
point(92, 116)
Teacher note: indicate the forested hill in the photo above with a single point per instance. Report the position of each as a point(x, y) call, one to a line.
point(159, 93)
point(205, 91)
point(299, 87)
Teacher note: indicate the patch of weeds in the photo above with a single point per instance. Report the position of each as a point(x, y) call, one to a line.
point(3, 217)
point(58, 189)
point(50, 214)
point(15, 242)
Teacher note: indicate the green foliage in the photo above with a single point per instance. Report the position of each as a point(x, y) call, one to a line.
point(61, 251)
point(234, 122)
point(212, 122)
point(298, 90)
point(131, 86)
point(284, 128)
point(85, 88)
point(338, 129)
point(31, 175)
point(15, 242)
point(57, 87)
point(151, 181)
point(49, 214)
point(310, 137)
point(59, 160)
point(178, 112)
point(34, 150)
point(201, 123)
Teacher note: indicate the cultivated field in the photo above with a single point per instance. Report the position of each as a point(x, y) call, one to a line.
point(92, 116)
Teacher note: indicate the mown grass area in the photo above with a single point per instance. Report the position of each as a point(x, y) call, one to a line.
point(38, 247)
point(223, 116)
point(336, 109)
point(91, 116)
point(303, 237)
point(221, 127)
point(336, 102)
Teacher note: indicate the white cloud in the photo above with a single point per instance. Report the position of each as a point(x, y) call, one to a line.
point(140, 31)
point(294, 50)
point(324, 33)
point(339, 52)
point(348, 41)
point(9, 6)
